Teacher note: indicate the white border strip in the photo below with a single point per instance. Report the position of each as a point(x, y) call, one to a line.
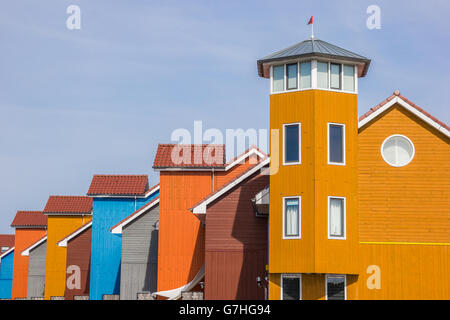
point(146, 195)
point(408, 107)
point(6, 253)
point(63, 242)
point(201, 208)
point(27, 251)
point(119, 227)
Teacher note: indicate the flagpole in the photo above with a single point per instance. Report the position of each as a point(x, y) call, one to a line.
point(312, 30)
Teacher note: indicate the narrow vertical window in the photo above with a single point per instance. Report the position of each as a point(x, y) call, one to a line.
point(336, 218)
point(335, 81)
point(349, 78)
point(278, 78)
point(291, 287)
point(336, 143)
point(322, 75)
point(292, 75)
point(305, 75)
point(292, 144)
point(336, 287)
point(291, 218)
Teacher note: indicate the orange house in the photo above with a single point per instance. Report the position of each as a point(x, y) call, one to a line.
point(65, 215)
point(187, 174)
point(359, 209)
point(30, 226)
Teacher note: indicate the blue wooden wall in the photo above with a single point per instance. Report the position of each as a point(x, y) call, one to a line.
point(6, 275)
point(106, 247)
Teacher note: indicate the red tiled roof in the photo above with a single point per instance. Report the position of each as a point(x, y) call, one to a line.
point(68, 204)
point(195, 156)
point(6, 240)
point(118, 185)
point(398, 94)
point(134, 213)
point(29, 219)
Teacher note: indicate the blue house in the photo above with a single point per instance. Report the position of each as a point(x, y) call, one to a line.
point(115, 197)
point(6, 273)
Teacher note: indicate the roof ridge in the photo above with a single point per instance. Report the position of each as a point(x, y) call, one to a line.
point(412, 104)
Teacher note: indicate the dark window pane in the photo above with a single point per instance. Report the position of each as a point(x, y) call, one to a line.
point(336, 288)
point(291, 143)
point(291, 288)
point(336, 143)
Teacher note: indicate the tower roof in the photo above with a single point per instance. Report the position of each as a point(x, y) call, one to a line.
point(313, 48)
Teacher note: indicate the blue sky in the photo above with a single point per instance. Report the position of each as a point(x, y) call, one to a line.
point(100, 99)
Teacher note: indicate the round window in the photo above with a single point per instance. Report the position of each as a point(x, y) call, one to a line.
point(397, 150)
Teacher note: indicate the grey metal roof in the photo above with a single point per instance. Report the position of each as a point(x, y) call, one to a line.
point(316, 48)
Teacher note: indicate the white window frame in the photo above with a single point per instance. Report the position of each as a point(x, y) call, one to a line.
point(291, 275)
point(314, 75)
point(287, 77)
point(335, 275)
point(401, 136)
point(343, 144)
point(330, 237)
point(285, 237)
point(299, 144)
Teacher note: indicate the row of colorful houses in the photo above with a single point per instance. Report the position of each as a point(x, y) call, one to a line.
point(344, 208)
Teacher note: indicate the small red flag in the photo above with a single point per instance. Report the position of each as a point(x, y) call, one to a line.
point(311, 20)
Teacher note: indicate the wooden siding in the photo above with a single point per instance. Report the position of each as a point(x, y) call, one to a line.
point(79, 254)
point(236, 244)
point(314, 180)
point(55, 269)
point(6, 276)
point(24, 238)
point(106, 248)
point(181, 246)
point(36, 271)
point(410, 203)
point(139, 263)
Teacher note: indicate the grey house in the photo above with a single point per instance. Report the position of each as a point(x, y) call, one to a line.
point(36, 268)
point(139, 263)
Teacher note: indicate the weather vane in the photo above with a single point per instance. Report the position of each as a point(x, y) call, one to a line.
point(311, 22)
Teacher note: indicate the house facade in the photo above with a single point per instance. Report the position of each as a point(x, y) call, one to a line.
point(30, 226)
point(65, 215)
point(115, 197)
point(349, 193)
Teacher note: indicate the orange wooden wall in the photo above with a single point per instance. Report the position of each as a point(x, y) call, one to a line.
point(410, 203)
point(181, 244)
point(24, 238)
point(314, 180)
point(55, 267)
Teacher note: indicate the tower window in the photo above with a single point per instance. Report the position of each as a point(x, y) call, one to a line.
point(291, 287)
point(336, 218)
point(322, 75)
point(292, 75)
point(335, 80)
point(305, 75)
point(336, 287)
point(278, 78)
point(336, 143)
point(291, 217)
point(349, 78)
point(291, 144)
